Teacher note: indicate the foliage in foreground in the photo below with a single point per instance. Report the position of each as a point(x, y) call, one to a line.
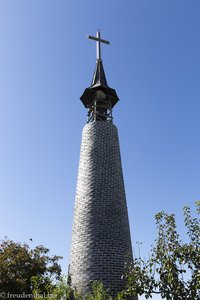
point(19, 265)
point(173, 268)
point(63, 292)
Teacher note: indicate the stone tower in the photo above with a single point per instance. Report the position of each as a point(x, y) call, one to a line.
point(101, 243)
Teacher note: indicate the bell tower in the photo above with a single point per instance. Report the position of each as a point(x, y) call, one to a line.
point(101, 242)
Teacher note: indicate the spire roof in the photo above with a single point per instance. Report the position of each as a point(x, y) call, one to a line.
point(99, 77)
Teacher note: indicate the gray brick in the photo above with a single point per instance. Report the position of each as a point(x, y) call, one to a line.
point(101, 243)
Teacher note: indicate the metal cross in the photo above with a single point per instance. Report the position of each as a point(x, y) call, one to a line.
point(99, 41)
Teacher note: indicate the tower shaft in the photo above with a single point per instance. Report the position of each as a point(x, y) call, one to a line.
point(101, 243)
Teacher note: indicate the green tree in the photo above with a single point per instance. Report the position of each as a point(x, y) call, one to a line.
point(19, 264)
point(64, 292)
point(98, 292)
point(60, 291)
point(173, 267)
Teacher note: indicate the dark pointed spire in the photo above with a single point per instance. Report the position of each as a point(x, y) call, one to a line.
point(99, 77)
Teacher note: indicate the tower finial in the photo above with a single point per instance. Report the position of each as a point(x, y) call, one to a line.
point(99, 41)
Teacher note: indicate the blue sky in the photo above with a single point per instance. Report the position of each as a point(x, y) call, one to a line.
point(46, 62)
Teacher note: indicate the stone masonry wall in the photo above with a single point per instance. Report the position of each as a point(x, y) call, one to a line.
point(101, 243)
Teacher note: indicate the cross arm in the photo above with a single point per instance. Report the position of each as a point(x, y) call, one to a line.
point(98, 40)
